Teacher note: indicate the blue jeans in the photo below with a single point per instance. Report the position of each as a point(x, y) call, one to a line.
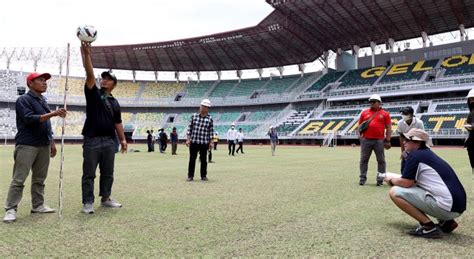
point(97, 151)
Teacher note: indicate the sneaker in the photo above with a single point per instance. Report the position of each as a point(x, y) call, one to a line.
point(420, 231)
point(110, 203)
point(88, 208)
point(42, 209)
point(189, 179)
point(204, 179)
point(10, 216)
point(447, 226)
point(361, 183)
point(379, 183)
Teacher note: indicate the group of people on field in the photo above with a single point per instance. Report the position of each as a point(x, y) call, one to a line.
point(427, 186)
point(162, 140)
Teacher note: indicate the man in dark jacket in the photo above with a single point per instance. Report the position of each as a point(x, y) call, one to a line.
point(34, 146)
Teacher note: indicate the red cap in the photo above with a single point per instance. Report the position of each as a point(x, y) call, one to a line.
point(34, 75)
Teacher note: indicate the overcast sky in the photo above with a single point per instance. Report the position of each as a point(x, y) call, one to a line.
point(53, 22)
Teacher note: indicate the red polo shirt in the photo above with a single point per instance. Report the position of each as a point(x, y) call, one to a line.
point(376, 128)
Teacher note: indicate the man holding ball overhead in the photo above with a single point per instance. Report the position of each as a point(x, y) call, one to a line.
point(102, 121)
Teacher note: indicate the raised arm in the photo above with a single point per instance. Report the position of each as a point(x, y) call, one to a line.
point(87, 62)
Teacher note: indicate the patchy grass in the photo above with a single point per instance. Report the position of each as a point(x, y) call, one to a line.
point(303, 202)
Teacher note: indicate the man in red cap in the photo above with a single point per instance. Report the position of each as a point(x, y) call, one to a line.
point(34, 145)
point(102, 126)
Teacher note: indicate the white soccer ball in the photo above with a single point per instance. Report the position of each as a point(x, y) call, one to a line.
point(86, 33)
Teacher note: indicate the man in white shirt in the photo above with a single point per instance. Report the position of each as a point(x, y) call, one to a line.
point(240, 139)
point(231, 139)
point(408, 122)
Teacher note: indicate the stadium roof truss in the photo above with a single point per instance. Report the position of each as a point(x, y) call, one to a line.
point(296, 32)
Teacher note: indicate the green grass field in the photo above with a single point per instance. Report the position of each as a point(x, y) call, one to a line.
point(305, 201)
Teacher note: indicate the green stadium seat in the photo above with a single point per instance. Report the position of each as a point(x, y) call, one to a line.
point(328, 78)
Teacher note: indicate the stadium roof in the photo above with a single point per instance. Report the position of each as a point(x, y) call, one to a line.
point(296, 32)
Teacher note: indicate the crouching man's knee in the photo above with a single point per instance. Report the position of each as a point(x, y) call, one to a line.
point(393, 192)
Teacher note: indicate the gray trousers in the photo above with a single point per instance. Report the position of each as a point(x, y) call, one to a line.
point(98, 151)
point(273, 146)
point(366, 147)
point(28, 158)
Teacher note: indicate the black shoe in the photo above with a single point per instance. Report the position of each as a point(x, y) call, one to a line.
point(420, 231)
point(379, 183)
point(212, 162)
point(189, 180)
point(361, 183)
point(204, 179)
point(447, 226)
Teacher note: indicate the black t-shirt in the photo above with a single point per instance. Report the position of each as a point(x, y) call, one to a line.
point(102, 113)
point(470, 141)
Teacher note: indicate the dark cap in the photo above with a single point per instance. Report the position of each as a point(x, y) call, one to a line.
point(408, 110)
point(107, 74)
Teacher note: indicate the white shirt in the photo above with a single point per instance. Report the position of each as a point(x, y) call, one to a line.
point(403, 127)
point(428, 179)
point(232, 134)
point(240, 137)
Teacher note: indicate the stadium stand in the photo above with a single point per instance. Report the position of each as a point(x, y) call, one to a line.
point(197, 90)
point(343, 113)
point(451, 107)
point(447, 121)
point(247, 87)
point(328, 78)
point(293, 120)
point(222, 129)
point(281, 85)
point(161, 90)
point(75, 87)
point(149, 118)
point(412, 71)
point(259, 115)
point(439, 115)
point(223, 88)
point(458, 65)
point(126, 89)
point(228, 116)
point(360, 77)
point(323, 126)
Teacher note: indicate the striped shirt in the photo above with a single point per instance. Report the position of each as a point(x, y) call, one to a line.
point(200, 129)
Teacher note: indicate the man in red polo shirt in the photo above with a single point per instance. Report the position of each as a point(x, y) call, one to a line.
point(375, 137)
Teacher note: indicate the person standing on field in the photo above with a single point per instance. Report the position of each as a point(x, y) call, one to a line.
point(408, 122)
point(240, 140)
point(231, 139)
point(272, 133)
point(375, 133)
point(199, 139)
point(34, 146)
point(103, 121)
point(174, 141)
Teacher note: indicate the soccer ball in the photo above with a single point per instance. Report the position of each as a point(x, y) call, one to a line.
point(86, 33)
